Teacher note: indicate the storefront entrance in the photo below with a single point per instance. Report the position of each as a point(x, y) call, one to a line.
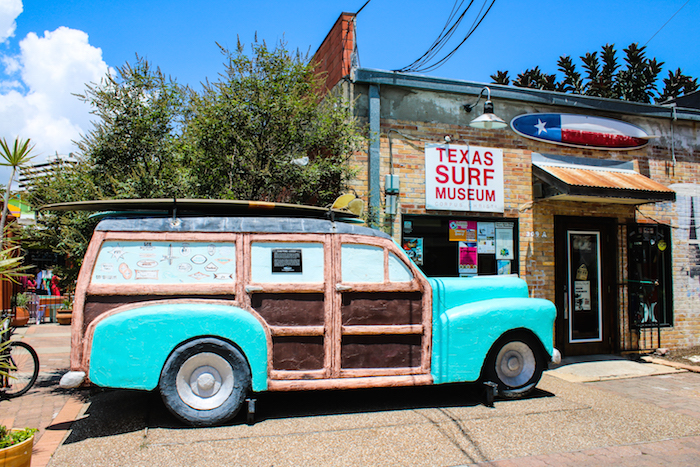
point(586, 259)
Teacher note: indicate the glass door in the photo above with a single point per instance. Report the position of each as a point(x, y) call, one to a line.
point(584, 284)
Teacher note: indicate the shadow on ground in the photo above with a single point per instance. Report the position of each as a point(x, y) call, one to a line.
point(114, 412)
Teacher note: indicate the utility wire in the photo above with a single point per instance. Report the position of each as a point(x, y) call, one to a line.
point(422, 64)
point(669, 20)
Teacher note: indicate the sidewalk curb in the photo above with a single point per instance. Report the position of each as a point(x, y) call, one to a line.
point(58, 431)
point(680, 366)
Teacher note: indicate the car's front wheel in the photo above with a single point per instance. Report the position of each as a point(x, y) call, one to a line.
point(205, 381)
point(515, 365)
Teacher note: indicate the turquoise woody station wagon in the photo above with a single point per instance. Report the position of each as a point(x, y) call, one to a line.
point(210, 306)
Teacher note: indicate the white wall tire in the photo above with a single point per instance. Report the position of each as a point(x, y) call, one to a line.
point(204, 382)
point(515, 365)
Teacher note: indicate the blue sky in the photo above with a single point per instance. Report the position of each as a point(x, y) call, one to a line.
point(50, 49)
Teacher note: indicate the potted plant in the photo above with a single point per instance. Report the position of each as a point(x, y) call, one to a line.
point(15, 445)
point(21, 307)
point(63, 315)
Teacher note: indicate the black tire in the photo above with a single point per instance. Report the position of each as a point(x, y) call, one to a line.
point(24, 370)
point(515, 364)
point(213, 377)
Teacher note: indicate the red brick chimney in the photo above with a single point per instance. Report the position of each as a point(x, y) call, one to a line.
point(334, 56)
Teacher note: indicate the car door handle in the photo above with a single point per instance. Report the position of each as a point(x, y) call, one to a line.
point(253, 288)
point(342, 288)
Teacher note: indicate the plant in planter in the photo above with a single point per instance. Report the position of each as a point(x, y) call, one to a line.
point(21, 307)
point(63, 315)
point(15, 445)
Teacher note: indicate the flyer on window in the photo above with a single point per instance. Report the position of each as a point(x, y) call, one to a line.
point(413, 246)
point(462, 231)
point(504, 241)
point(468, 258)
point(504, 267)
point(486, 237)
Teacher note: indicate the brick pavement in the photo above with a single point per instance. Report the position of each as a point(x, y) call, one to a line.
point(678, 393)
point(45, 406)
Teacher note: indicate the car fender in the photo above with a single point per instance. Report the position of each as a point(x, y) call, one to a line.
point(129, 348)
point(463, 335)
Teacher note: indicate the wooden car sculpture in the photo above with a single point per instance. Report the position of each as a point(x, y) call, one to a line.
point(211, 309)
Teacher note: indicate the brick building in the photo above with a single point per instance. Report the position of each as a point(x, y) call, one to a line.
point(611, 236)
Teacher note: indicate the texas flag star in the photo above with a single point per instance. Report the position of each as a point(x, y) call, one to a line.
point(540, 127)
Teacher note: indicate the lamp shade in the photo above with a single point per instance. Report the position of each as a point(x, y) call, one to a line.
point(488, 120)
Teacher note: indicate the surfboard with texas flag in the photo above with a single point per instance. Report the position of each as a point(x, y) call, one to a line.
point(582, 131)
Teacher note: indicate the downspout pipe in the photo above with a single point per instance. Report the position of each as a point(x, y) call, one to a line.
point(374, 201)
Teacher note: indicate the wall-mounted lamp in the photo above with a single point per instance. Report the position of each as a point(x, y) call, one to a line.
point(488, 120)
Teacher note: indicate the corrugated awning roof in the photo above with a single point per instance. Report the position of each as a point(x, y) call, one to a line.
point(576, 179)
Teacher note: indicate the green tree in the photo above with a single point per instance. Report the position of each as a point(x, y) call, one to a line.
point(249, 131)
point(263, 131)
point(133, 151)
point(636, 81)
point(16, 157)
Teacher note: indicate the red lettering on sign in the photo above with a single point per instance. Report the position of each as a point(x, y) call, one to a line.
point(474, 174)
point(442, 174)
point(452, 155)
point(440, 150)
point(465, 157)
point(491, 196)
point(454, 175)
point(488, 175)
point(476, 158)
point(489, 158)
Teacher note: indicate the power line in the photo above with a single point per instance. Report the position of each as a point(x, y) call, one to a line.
point(669, 20)
point(423, 63)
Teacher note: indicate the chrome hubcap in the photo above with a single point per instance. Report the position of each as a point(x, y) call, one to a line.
point(515, 364)
point(205, 381)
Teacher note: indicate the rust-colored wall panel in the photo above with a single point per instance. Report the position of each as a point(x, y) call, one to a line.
point(385, 351)
point(382, 308)
point(96, 305)
point(290, 309)
point(297, 353)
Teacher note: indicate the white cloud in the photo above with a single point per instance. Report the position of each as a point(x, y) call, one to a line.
point(44, 108)
point(9, 11)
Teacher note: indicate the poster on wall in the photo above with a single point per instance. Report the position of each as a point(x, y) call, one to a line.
point(504, 241)
point(413, 246)
point(486, 237)
point(468, 259)
point(463, 178)
point(582, 295)
point(462, 231)
point(503, 267)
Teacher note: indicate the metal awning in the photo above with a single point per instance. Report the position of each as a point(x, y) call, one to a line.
point(594, 180)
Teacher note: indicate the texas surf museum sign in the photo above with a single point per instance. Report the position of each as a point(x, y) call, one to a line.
point(463, 178)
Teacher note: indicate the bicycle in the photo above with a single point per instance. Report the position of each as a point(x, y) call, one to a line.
point(19, 363)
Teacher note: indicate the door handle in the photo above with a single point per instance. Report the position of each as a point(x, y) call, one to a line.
point(253, 288)
point(342, 288)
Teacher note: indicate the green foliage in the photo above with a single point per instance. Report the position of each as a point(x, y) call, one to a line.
point(241, 137)
point(16, 156)
point(635, 82)
point(245, 130)
point(11, 437)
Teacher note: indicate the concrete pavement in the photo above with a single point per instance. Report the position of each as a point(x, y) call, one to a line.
point(641, 420)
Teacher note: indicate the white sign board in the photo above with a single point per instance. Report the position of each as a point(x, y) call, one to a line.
point(463, 178)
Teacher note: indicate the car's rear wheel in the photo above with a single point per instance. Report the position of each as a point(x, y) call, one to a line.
point(515, 364)
point(204, 382)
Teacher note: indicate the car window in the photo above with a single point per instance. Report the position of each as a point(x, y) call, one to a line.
point(362, 263)
point(280, 262)
point(398, 271)
point(144, 262)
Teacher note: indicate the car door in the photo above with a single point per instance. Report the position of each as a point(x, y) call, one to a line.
point(382, 313)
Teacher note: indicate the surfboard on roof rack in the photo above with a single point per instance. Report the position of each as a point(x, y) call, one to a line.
point(211, 207)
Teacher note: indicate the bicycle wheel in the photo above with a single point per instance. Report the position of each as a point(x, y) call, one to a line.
point(24, 369)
